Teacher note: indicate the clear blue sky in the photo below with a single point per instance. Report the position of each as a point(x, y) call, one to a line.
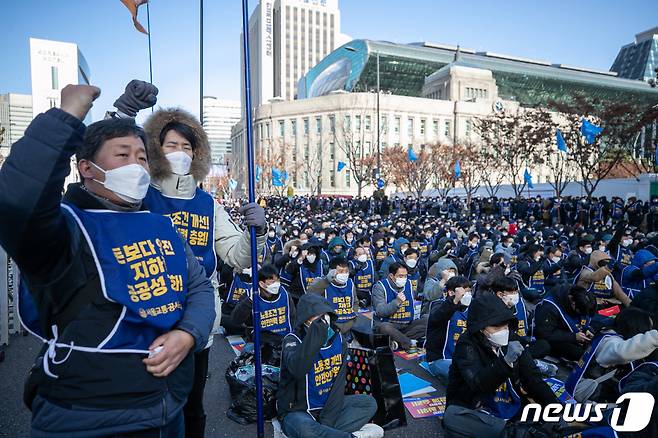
point(587, 33)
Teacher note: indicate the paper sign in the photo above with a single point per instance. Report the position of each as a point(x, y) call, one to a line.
point(424, 407)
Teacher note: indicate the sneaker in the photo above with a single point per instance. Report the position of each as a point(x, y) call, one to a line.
point(369, 431)
point(546, 369)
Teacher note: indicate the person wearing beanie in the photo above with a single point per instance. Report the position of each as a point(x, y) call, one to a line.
point(491, 375)
point(597, 277)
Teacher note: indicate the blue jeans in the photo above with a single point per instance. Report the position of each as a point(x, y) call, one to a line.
point(440, 369)
point(357, 410)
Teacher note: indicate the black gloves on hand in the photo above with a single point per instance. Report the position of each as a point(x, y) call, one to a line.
point(139, 95)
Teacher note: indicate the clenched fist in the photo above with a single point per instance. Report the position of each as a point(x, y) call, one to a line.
point(77, 100)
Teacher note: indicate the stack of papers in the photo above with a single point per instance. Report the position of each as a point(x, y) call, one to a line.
point(412, 386)
point(236, 343)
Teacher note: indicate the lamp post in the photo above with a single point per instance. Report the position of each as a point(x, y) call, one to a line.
point(352, 49)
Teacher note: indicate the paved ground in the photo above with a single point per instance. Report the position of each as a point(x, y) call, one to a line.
point(15, 418)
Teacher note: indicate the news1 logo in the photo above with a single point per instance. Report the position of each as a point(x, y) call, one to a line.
point(638, 412)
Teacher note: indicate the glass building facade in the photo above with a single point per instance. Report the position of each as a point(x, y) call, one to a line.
point(638, 59)
point(404, 68)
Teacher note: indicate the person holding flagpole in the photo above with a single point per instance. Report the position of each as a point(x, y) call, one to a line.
point(179, 156)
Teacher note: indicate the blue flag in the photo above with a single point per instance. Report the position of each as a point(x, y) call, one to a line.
point(656, 154)
point(259, 171)
point(458, 170)
point(561, 144)
point(341, 166)
point(411, 154)
point(380, 183)
point(590, 131)
point(528, 179)
point(232, 184)
point(277, 178)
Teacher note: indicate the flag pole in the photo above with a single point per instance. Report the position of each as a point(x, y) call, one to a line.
point(148, 29)
point(260, 426)
point(201, 61)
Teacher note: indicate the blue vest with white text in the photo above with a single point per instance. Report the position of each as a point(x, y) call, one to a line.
point(239, 287)
point(321, 378)
point(405, 312)
point(341, 299)
point(275, 315)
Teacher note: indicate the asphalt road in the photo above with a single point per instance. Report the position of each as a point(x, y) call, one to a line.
point(15, 418)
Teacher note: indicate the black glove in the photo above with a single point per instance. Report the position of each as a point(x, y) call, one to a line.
point(139, 95)
point(254, 216)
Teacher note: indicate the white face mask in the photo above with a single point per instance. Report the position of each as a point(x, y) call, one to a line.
point(180, 162)
point(587, 250)
point(379, 243)
point(449, 275)
point(271, 234)
point(303, 242)
point(466, 299)
point(342, 278)
point(400, 281)
point(247, 271)
point(412, 263)
point(556, 259)
point(310, 258)
point(362, 258)
point(511, 300)
point(626, 242)
point(273, 289)
point(500, 338)
point(129, 182)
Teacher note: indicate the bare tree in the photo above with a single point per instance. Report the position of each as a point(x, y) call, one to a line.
point(277, 155)
point(470, 162)
point(516, 141)
point(415, 176)
point(620, 121)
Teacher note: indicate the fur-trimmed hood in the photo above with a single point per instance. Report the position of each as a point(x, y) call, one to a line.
point(159, 165)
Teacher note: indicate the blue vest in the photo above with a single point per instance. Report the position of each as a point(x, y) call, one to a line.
point(617, 211)
point(456, 327)
point(142, 266)
point(237, 290)
point(632, 288)
point(622, 381)
point(600, 288)
point(194, 219)
point(536, 281)
point(522, 317)
point(380, 253)
point(624, 257)
point(572, 324)
point(274, 246)
point(275, 315)
point(505, 208)
point(321, 378)
point(414, 277)
point(364, 278)
point(307, 275)
point(505, 402)
point(424, 247)
point(340, 299)
point(406, 311)
point(581, 367)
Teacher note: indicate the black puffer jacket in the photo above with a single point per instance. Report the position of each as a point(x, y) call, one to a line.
point(477, 370)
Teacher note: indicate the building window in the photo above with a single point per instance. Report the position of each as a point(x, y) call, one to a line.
point(306, 151)
point(384, 124)
point(267, 130)
point(410, 127)
point(318, 125)
point(332, 151)
point(282, 128)
point(332, 123)
point(469, 126)
point(348, 122)
point(306, 126)
point(306, 179)
point(368, 123)
point(396, 125)
point(368, 148)
point(359, 149)
point(293, 127)
point(357, 123)
point(332, 176)
point(422, 126)
point(448, 129)
point(435, 128)
point(348, 180)
point(54, 77)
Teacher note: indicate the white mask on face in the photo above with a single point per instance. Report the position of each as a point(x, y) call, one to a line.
point(500, 338)
point(180, 162)
point(412, 263)
point(342, 278)
point(626, 242)
point(304, 241)
point(129, 182)
point(556, 259)
point(400, 281)
point(511, 300)
point(362, 258)
point(310, 258)
point(247, 271)
point(273, 289)
point(271, 234)
point(449, 275)
point(466, 299)
point(587, 250)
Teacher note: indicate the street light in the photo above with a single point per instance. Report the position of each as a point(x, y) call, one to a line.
point(379, 166)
